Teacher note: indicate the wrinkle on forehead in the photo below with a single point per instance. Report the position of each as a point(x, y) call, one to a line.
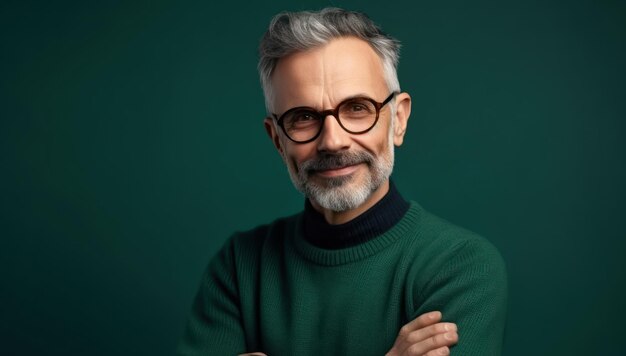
point(324, 76)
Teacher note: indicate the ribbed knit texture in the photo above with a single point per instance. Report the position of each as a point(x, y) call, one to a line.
point(271, 290)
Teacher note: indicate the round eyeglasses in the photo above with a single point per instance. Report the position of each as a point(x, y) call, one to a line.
point(355, 115)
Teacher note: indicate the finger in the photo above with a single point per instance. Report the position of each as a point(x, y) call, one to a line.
point(422, 334)
point(420, 322)
point(432, 343)
point(253, 354)
point(439, 352)
point(429, 331)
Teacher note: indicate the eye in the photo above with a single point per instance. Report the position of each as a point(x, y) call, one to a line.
point(302, 117)
point(357, 107)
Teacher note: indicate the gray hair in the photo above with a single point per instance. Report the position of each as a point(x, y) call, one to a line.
point(291, 32)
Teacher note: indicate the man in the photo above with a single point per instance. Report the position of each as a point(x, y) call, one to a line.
point(360, 271)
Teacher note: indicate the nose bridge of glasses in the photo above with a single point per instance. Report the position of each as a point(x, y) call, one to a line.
point(334, 113)
point(325, 113)
point(332, 135)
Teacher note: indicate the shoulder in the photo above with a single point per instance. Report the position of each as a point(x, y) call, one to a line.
point(443, 236)
point(444, 246)
point(252, 241)
point(241, 257)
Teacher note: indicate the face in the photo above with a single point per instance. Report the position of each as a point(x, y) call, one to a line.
point(338, 171)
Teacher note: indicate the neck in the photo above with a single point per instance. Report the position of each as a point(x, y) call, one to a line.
point(342, 217)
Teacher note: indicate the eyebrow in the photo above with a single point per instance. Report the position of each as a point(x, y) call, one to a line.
point(358, 95)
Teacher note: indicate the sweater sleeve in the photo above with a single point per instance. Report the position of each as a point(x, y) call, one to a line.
point(214, 326)
point(468, 285)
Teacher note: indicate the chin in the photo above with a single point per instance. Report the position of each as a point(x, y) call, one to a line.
point(339, 193)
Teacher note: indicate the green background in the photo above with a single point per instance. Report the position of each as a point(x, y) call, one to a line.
point(132, 146)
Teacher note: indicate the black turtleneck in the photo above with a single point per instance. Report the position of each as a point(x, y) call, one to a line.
point(373, 222)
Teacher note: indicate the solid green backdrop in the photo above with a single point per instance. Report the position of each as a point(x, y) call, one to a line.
point(132, 146)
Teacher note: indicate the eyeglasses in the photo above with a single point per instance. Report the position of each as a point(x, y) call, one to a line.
point(356, 115)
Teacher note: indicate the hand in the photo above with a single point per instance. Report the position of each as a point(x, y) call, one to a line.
point(253, 354)
point(425, 336)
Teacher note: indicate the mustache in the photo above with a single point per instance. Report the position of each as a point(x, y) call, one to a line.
point(336, 160)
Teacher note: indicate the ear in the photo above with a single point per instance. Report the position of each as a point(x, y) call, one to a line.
point(272, 132)
point(403, 111)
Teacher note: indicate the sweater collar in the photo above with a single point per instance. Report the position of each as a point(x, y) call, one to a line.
point(372, 223)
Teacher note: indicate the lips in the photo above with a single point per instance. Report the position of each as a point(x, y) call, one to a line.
point(337, 171)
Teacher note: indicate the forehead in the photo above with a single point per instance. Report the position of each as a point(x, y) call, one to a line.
point(325, 75)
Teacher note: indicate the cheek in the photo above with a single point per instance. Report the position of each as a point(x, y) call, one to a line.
point(376, 142)
point(384, 143)
point(292, 164)
point(295, 155)
point(386, 139)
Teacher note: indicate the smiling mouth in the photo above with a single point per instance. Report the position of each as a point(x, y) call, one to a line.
point(337, 172)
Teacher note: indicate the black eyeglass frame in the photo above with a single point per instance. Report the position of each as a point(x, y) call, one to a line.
point(335, 113)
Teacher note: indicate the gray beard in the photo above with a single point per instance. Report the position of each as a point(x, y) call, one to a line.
point(342, 193)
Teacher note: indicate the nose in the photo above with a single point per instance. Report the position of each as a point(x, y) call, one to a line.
point(333, 137)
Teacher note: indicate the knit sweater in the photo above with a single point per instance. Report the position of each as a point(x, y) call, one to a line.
point(271, 290)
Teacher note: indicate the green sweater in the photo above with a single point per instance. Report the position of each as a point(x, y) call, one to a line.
point(270, 290)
